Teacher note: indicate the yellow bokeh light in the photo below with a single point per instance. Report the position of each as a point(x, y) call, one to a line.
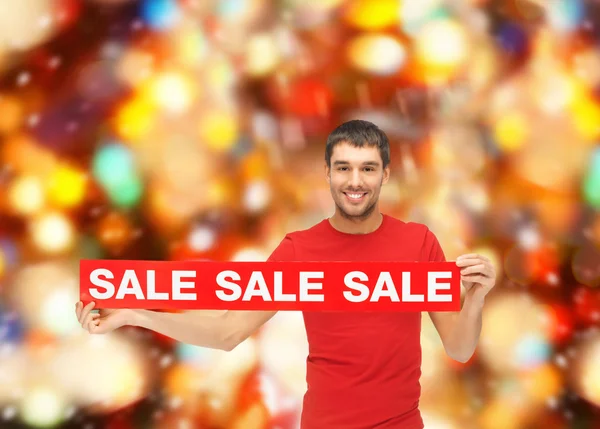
point(26, 195)
point(52, 232)
point(510, 131)
point(130, 384)
point(501, 414)
point(586, 117)
point(590, 383)
point(43, 407)
point(135, 119)
point(219, 130)
point(173, 92)
point(190, 45)
point(586, 372)
point(373, 14)
point(220, 193)
point(219, 76)
point(543, 383)
point(376, 53)
point(67, 186)
point(441, 48)
point(262, 54)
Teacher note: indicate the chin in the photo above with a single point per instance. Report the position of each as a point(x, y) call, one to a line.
point(355, 211)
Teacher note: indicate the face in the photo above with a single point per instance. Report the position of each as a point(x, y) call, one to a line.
point(355, 179)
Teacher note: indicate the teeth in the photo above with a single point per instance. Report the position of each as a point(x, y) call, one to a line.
point(355, 196)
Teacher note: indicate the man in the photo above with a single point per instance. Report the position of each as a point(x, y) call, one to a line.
point(363, 368)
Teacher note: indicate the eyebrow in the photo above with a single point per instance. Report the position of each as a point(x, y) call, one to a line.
point(372, 163)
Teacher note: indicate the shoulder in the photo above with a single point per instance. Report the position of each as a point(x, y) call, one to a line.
point(286, 250)
point(419, 235)
point(315, 231)
point(413, 229)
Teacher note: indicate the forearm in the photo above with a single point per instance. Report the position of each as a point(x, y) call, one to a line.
point(201, 328)
point(466, 330)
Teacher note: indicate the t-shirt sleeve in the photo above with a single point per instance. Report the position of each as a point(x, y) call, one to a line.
point(284, 251)
point(432, 251)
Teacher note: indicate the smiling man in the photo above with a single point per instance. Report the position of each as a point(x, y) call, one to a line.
point(363, 368)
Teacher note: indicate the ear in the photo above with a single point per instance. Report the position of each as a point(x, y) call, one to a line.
point(386, 175)
point(327, 173)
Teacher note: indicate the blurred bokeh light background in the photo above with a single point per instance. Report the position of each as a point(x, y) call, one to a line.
point(188, 129)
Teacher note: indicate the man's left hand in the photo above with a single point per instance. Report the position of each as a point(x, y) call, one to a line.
point(477, 274)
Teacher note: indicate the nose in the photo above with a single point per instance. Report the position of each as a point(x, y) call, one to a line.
point(356, 179)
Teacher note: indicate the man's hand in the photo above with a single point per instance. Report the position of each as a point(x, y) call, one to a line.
point(478, 275)
point(103, 322)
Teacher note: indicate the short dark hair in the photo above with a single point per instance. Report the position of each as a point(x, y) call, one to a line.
point(358, 133)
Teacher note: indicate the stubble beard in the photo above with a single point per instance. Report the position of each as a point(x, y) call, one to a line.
point(356, 218)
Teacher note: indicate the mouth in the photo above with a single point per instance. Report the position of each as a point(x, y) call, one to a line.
point(355, 197)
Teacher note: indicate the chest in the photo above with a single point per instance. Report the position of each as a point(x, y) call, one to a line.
point(384, 249)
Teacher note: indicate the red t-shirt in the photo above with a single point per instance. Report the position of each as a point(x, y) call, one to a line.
point(363, 368)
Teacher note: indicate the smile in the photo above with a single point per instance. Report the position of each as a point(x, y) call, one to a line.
point(355, 197)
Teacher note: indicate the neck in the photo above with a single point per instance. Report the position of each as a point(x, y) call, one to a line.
point(356, 225)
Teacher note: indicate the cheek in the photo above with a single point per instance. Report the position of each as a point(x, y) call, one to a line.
point(335, 182)
point(374, 183)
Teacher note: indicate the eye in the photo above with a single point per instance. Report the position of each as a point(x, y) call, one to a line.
point(342, 168)
point(369, 169)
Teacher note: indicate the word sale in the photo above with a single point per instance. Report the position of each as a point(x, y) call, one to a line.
point(231, 286)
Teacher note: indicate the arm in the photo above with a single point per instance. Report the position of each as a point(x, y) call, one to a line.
point(460, 331)
point(213, 329)
point(221, 330)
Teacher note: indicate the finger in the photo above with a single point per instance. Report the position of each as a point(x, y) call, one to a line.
point(473, 256)
point(468, 256)
point(101, 327)
point(88, 318)
point(468, 262)
point(483, 269)
point(488, 270)
point(86, 310)
point(475, 278)
point(479, 268)
point(91, 326)
point(79, 310)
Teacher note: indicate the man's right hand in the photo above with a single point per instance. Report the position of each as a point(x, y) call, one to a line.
point(103, 322)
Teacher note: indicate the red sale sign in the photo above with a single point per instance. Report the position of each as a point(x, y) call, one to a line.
point(311, 286)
